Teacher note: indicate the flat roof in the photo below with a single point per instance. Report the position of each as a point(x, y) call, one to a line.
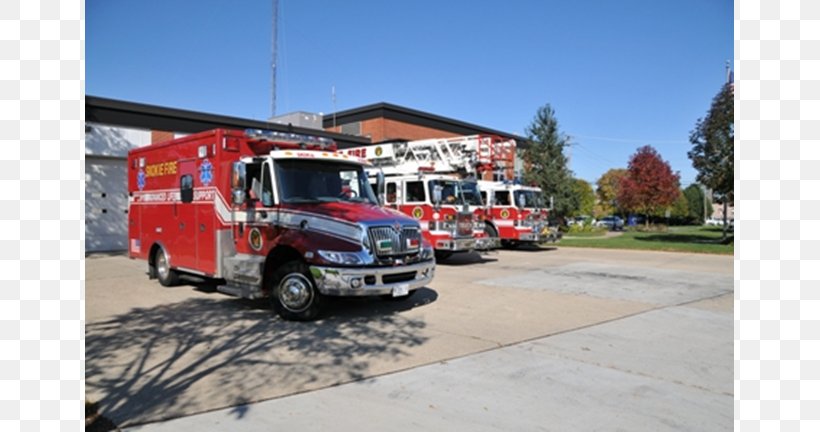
point(409, 115)
point(143, 116)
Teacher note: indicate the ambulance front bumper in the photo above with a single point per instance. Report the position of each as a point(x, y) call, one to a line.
point(367, 281)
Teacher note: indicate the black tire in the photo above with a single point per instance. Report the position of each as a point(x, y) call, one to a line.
point(490, 230)
point(167, 276)
point(293, 295)
point(442, 255)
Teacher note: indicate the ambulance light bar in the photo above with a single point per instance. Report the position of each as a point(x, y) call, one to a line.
point(311, 140)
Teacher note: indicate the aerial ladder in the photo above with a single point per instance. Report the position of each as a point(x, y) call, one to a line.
point(464, 156)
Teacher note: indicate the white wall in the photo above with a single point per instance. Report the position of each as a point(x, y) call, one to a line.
point(106, 191)
point(105, 140)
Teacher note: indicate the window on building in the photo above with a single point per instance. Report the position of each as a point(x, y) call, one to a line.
point(354, 128)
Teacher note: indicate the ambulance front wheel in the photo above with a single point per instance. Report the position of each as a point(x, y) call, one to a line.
point(294, 295)
point(166, 276)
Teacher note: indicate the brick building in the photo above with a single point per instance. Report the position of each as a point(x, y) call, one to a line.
point(383, 122)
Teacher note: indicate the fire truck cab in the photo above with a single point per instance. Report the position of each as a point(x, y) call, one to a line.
point(518, 214)
point(441, 203)
point(269, 214)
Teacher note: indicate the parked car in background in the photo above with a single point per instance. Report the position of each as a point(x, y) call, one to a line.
point(581, 220)
point(714, 222)
point(613, 223)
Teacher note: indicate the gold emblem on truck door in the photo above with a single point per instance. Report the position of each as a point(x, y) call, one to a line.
point(255, 239)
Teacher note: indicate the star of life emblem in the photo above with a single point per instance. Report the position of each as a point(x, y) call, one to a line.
point(206, 172)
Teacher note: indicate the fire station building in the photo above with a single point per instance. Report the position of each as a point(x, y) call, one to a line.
point(113, 127)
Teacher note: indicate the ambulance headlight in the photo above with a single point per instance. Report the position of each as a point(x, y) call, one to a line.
point(343, 258)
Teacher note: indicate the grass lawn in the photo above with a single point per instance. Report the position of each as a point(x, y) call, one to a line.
point(677, 239)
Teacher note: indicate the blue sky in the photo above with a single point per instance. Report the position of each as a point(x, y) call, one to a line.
point(619, 74)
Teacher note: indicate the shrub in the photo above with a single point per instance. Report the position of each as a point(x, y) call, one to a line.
point(585, 229)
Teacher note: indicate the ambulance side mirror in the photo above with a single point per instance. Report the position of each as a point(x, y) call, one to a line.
point(380, 187)
point(238, 183)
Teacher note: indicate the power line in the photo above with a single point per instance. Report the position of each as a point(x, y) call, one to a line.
point(631, 140)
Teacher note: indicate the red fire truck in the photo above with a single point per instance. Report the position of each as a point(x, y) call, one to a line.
point(518, 214)
point(512, 222)
point(449, 210)
point(270, 214)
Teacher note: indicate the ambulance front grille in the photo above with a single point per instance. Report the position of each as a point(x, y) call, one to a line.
point(387, 241)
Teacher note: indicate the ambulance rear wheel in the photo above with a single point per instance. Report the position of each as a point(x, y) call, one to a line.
point(166, 276)
point(294, 295)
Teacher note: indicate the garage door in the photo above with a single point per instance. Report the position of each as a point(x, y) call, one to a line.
point(106, 204)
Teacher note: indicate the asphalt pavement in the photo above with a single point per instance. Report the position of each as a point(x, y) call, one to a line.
point(561, 339)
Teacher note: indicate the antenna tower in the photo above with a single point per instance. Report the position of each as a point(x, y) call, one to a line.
point(274, 30)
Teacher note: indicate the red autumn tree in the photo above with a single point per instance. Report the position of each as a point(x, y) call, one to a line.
point(649, 186)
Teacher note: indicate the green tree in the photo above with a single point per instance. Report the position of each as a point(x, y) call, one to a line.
point(586, 197)
point(649, 186)
point(713, 148)
point(545, 163)
point(680, 209)
point(697, 200)
point(608, 186)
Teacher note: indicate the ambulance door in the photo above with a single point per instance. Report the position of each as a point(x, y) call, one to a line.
point(185, 239)
point(206, 218)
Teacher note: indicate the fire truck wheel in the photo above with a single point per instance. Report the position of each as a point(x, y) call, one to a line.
point(490, 231)
point(166, 276)
point(295, 296)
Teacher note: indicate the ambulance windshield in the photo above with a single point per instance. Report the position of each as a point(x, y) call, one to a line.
point(306, 181)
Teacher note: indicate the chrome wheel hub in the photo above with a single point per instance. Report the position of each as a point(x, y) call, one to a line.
point(295, 292)
point(162, 265)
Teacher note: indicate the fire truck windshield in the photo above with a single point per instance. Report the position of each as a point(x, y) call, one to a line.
point(451, 191)
point(531, 198)
point(471, 193)
point(305, 181)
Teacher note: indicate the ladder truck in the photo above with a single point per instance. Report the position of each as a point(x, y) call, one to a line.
point(520, 219)
point(426, 180)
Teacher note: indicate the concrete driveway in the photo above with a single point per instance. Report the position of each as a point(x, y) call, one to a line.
point(557, 339)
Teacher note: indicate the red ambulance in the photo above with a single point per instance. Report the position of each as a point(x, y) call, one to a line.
point(270, 214)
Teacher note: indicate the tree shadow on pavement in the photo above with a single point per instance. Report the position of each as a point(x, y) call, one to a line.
point(201, 354)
